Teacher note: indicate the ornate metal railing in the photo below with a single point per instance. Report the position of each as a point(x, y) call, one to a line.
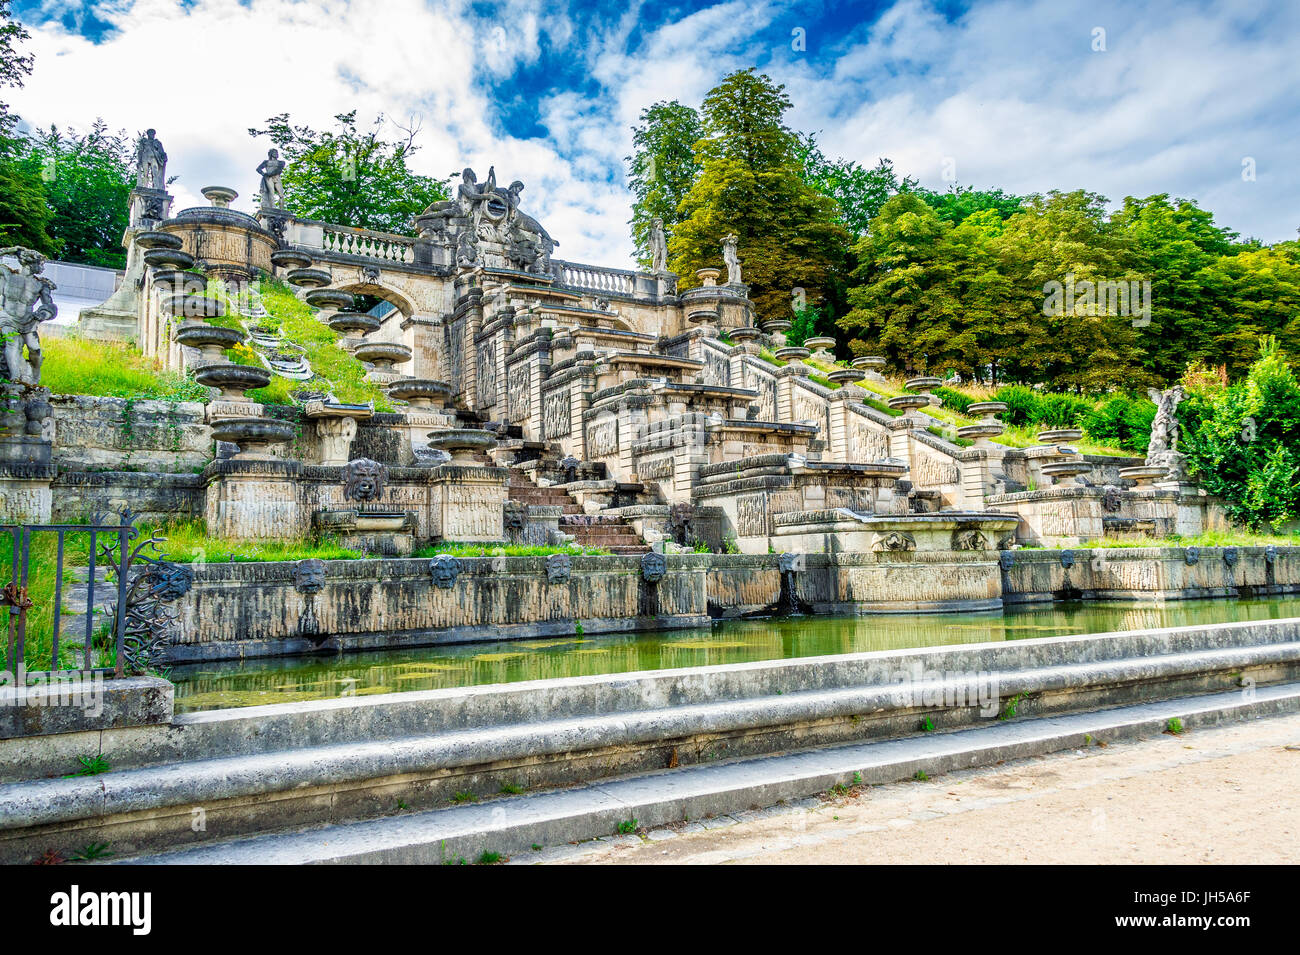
point(140, 582)
point(381, 246)
point(597, 279)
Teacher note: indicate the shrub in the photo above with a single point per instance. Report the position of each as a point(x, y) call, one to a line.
point(1121, 421)
point(1243, 441)
point(1061, 411)
point(1022, 404)
point(953, 399)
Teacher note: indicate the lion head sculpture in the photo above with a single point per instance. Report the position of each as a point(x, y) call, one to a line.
point(364, 480)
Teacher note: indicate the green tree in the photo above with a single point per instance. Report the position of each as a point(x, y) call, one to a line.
point(1243, 441)
point(350, 176)
point(858, 192)
point(751, 183)
point(662, 168)
point(960, 202)
point(88, 180)
point(23, 213)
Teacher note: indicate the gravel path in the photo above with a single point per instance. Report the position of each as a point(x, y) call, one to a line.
point(1224, 795)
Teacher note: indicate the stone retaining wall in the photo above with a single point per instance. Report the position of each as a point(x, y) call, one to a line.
point(121, 434)
point(281, 608)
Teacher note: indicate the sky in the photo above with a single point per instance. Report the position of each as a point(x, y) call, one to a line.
point(1120, 98)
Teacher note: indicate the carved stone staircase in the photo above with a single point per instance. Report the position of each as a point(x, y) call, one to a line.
point(589, 530)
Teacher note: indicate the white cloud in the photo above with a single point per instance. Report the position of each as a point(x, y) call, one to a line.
point(1011, 91)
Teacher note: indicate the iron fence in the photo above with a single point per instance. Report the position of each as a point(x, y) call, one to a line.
point(140, 582)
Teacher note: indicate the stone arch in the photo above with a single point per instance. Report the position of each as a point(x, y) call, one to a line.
point(392, 296)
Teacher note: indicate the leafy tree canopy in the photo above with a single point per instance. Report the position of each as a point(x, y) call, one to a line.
point(662, 168)
point(351, 176)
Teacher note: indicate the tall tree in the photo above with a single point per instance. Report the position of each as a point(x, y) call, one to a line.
point(662, 168)
point(959, 202)
point(88, 180)
point(751, 183)
point(858, 192)
point(23, 213)
point(351, 176)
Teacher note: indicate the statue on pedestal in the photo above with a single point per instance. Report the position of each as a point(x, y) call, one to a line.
point(25, 302)
point(272, 190)
point(151, 163)
point(1162, 450)
point(731, 256)
point(658, 246)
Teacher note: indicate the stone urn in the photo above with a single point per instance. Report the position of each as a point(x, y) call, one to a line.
point(792, 353)
point(987, 411)
point(777, 328)
point(1057, 435)
point(192, 305)
point(220, 196)
point(353, 324)
point(253, 436)
point(210, 340)
point(708, 277)
point(463, 443)
point(845, 376)
point(703, 316)
point(1062, 472)
point(180, 282)
point(823, 348)
point(168, 259)
point(1143, 475)
point(422, 393)
point(158, 240)
point(290, 259)
point(383, 355)
point(309, 278)
point(233, 380)
point(909, 403)
point(746, 335)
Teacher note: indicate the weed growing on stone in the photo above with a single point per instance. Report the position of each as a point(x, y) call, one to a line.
point(1174, 726)
point(628, 826)
point(92, 765)
point(511, 789)
point(464, 796)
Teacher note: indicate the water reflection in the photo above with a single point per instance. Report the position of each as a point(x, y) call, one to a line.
point(253, 683)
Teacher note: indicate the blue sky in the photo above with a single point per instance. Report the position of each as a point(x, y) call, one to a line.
point(1191, 98)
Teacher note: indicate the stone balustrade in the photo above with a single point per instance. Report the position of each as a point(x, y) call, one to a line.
point(363, 243)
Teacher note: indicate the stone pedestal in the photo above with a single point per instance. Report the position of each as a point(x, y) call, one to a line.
point(467, 503)
point(26, 455)
point(336, 426)
point(253, 499)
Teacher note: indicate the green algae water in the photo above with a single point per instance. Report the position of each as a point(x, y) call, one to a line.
point(258, 682)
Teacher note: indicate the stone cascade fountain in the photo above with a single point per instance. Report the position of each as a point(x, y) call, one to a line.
point(362, 523)
point(990, 426)
point(428, 405)
point(253, 438)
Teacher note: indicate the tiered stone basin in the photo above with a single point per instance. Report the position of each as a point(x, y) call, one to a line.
point(1143, 475)
point(708, 277)
point(253, 436)
point(1057, 435)
point(703, 316)
point(422, 392)
point(744, 334)
point(290, 259)
point(328, 298)
point(819, 345)
point(868, 363)
point(180, 280)
point(923, 383)
point(791, 353)
point(168, 259)
point(383, 355)
point(908, 403)
point(988, 410)
point(845, 376)
point(463, 443)
point(233, 380)
point(219, 196)
point(158, 240)
point(777, 326)
point(353, 323)
point(1062, 471)
point(192, 305)
point(210, 340)
point(313, 279)
point(981, 433)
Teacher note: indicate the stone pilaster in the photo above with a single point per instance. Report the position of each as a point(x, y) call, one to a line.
point(254, 499)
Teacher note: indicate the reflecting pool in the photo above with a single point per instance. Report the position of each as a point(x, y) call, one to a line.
point(257, 682)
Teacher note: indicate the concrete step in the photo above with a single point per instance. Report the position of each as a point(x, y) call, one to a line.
point(512, 825)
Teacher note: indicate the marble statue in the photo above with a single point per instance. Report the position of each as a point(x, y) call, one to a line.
point(272, 190)
point(658, 246)
point(731, 256)
point(25, 302)
point(1164, 428)
point(150, 162)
